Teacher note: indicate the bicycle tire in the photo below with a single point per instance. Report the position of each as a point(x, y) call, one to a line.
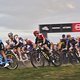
point(37, 59)
point(14, 63)
point(56, 59)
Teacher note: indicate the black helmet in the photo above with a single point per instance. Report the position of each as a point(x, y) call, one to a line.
point(10, 34)
point(63, 36)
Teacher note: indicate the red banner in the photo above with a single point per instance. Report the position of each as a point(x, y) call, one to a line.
point(76, 27)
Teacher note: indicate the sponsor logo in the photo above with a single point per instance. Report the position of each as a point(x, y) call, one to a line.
point(45, 28)
point(66, 27)
point(76, 27)
point(55, 27)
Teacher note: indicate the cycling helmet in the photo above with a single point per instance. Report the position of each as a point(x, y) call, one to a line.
point(10, 34)
point(20, 38)
point(63, 36)
point(36, 32)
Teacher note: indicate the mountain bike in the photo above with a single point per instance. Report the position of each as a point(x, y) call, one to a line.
point(73, 56)
point(39, 56)
point(69, 56)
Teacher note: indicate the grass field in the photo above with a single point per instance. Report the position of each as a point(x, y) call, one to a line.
point(69, 72)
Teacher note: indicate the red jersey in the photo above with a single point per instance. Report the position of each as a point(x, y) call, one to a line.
point(41, 36)
point(39, 39)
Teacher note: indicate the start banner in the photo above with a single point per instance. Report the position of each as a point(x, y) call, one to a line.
point(53, 28)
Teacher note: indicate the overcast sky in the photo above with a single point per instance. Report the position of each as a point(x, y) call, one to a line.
point(26, 15)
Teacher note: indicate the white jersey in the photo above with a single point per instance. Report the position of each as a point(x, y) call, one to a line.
point(11, 43)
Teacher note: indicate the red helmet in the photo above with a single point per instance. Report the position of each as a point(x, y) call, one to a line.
point(36, 32)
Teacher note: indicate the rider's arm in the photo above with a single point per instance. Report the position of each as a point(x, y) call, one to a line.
point(59, 45)
point(34, 45)
point(52, 46)
point(2, 46)
point(17, 41)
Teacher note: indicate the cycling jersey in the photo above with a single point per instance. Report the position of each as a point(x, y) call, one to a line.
point(18, 42)
point(13, 42)
point(71, 43)
point(28, 45)
point(40, 39)
point(63, 43)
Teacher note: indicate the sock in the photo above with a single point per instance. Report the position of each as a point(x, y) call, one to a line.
point(6, 60)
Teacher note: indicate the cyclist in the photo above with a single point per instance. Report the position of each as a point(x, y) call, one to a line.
point(3, 53)
point(40, 39)
point(62, 43)
point(18, 45)
point(29, 45)
point(71, 42)
point(62, 48)
point(15, 43)
point(63, 40)
point(10, 42)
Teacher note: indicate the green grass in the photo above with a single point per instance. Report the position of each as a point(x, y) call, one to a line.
point(70, 72)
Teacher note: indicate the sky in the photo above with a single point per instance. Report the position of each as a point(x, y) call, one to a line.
point(24, 16)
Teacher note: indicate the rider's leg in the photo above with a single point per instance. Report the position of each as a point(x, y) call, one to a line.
point(16, 53)
point(4, 56)
point(46, 47)
point(34, 45)
point(24, 53)
point(51, 46)
point(19, 52)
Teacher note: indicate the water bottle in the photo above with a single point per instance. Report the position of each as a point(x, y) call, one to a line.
point(0, 59)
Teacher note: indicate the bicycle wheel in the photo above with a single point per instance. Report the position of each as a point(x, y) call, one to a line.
point(37, 59)
point(56, 59)
point(73, 57)
point(13, 63)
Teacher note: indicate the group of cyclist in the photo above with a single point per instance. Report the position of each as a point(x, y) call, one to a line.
point(68, 42)
point(19, 44)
